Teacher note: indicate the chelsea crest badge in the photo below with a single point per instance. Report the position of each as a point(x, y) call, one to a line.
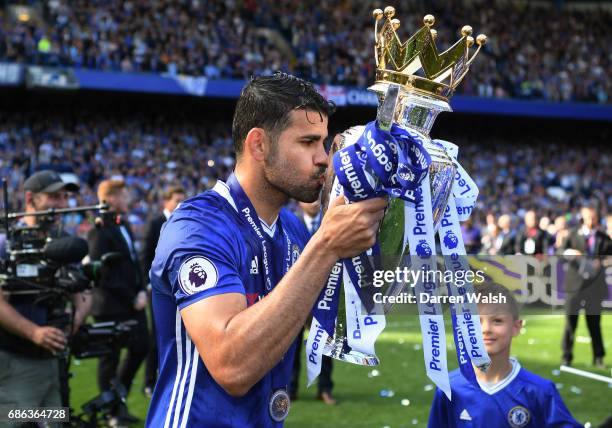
point(518, 417)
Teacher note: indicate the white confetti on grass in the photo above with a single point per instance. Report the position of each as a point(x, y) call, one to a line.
point(374, 373)
point(574, 389)
point(386, 393)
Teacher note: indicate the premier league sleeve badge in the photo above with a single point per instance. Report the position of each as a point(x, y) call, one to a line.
point(197, 274)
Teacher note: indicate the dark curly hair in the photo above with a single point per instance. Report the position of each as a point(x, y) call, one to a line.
point(267, 101)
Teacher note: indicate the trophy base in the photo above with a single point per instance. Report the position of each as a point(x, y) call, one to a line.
point(340, 350)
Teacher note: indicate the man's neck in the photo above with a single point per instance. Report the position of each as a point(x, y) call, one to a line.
point(310, 217)
point(266, 200)
point(30, 220)
point(499, 369)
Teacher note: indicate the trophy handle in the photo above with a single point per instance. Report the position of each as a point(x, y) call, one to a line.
point(386, 110)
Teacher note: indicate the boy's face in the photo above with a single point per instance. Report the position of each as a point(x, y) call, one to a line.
point(498, 328)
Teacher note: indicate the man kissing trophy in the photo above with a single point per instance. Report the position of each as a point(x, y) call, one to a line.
point(430, 194)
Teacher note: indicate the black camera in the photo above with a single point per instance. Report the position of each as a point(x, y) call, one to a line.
point(100, 339)
point(42, 261)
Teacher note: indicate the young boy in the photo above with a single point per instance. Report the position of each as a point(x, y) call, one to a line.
point(508, 396)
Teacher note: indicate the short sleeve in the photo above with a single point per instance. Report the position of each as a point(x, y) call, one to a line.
point(557, 414)
point(203, 258)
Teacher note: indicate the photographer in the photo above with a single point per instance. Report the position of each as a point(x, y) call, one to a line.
point(120, 295)
point(29, 371)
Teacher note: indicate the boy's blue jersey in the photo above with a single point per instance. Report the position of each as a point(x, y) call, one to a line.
point(206, 249)
point(523, 399)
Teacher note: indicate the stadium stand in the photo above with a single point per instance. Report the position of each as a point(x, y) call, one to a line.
point(535, 50)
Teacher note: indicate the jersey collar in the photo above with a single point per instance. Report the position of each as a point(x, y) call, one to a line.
point(223, 190)
point(492, 389)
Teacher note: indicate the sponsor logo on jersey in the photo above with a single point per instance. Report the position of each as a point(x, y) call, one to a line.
point(465, 416)
point(254, 266)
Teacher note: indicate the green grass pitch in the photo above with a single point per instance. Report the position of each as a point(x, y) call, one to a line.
point(360, 403)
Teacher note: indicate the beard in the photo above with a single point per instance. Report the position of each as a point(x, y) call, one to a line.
point(281, 176)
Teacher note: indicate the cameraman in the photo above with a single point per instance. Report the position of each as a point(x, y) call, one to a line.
point(120, 295)
point(29, 373)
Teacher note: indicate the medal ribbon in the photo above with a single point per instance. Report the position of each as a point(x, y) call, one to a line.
point(249, 215)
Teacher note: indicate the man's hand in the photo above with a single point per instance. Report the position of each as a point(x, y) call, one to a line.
point(77, 322)
point(349, 230)
point(50, 338)
point(140, 302)
point(82, 306)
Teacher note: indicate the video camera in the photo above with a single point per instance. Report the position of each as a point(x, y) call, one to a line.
point(41, 261)
point(100, 339)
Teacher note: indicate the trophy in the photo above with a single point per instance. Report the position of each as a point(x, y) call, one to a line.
point(413, 83)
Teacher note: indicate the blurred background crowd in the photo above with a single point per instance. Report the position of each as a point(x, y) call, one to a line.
point(535, 50)
point(550, 176)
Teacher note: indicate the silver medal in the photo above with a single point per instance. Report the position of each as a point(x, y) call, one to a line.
point(279, 405)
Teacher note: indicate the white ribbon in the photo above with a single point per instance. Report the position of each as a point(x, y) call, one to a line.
point(317, 336)
point(362, 328)
point(453, 248)
point(451, 242)
point(421, 239)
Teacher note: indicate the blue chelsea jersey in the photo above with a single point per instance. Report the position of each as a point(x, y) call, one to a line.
point(521, 400)
point(205, 249)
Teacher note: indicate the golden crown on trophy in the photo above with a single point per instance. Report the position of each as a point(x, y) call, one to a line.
point(438, 73)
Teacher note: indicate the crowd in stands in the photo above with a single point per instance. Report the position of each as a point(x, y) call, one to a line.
point(151, 153)
point(534, 51)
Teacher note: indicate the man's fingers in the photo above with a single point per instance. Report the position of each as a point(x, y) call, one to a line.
point(57, 336)
point(53, 344)
point(337, 202)
point(378, 215)
point(56, 344)
point(374, 204)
